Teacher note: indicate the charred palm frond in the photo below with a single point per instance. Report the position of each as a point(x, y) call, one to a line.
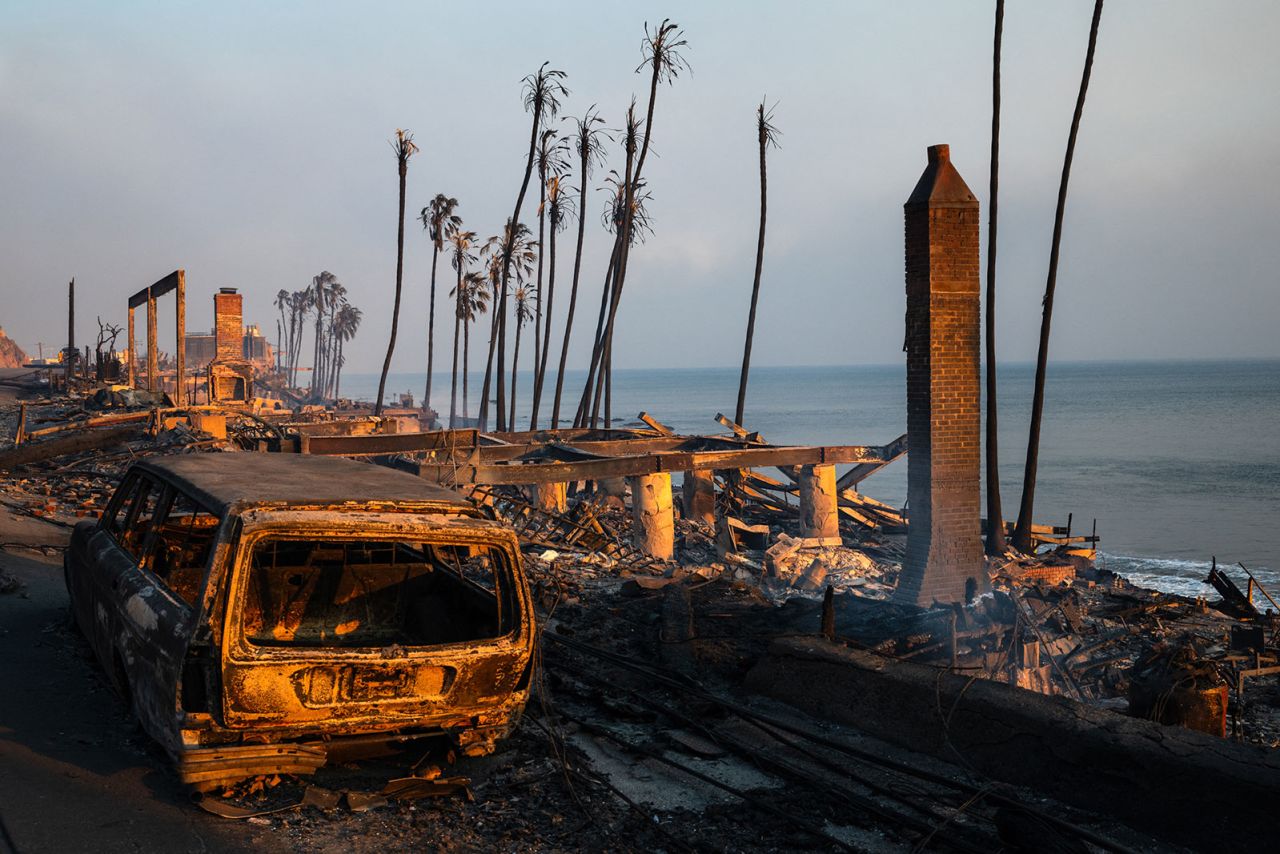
point(543, 91)
point(439, 219)
point(661, 48)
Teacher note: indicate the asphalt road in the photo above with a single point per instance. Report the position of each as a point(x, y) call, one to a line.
point(76, 773)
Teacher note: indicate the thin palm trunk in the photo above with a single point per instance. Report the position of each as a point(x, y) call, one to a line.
point(619, 278)
point(537, 296)
point(404, 150)
point(573, 291)
point(337, 376)
point(457, 325)
point(995, 513)
point(584, 404)
point(466, 365)
point(763, 133)
point(431, 327)
point(501, 306)
point(541, 366)
point(515, 364)
point(1022, 535)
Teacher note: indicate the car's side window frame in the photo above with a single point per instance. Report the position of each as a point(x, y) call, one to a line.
point(120, 502)
point(164, 505)
point(141, 488)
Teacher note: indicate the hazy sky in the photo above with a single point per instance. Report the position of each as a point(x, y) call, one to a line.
point(247, 143)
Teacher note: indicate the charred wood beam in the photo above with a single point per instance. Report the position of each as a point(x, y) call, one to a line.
point(651, 463)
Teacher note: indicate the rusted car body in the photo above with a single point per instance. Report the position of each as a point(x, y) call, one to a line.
point(265, 612)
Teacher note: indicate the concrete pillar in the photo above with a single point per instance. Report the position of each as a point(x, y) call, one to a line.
point(552, 497)
point(698, 496)
point(944, 561)
point(653, 520)
point(819, 507)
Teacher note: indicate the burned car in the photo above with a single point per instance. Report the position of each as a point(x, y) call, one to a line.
point(262, 613)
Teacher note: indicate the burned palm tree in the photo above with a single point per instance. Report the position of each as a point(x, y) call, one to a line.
point(661, 54)
point(551, 164)
point(560, 207)
point(1022, 534)
point(281, 303)
point(589, 145)
point(523, 313)
point(439, 219)
point(322, 288)
point(404, 149)
point(995, 513)
point(460, 243)
point(766, 135)
point(542, 94)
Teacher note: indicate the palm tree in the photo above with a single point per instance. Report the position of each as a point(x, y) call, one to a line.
point(281, 303)
point(559, 208)
point(321, 290)
point(439, 220)
point(542, 94)
point(461, 243)
point(522, 314)
point(661, 52)
point(299, 304)
point(590, 148)
point(404, 149)
point(346, 323)
point(766, 135)
point(995, 513)
point(1022, 534)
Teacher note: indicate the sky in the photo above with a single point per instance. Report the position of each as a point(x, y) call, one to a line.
point(248, 144)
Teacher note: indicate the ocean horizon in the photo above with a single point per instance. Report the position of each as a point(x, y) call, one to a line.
point(1178, 461)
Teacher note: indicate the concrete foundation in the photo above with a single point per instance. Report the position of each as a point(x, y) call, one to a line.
point(698, 497)
point(652, 513)
point(819, 508)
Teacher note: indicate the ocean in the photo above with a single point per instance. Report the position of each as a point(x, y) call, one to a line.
point(1178, 462)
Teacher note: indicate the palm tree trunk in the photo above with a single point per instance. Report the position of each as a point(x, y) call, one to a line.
point(1022, 535)
point(431, 327)
point(573, 294)
point(457, 324)
point(515, 364)
point(337, 376)
point(395, 309)
point(501, 306)
point(540, 368)
point(537, 296)
point(317, 366)
point(995, 513)
point(597, 346)
point(755, 286)
point(466, 365)
point(619, 278)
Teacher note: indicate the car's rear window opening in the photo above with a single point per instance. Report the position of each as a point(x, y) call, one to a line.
point(371, 593)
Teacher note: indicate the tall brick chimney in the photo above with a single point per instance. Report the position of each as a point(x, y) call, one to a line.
point(944, 561)
point(228, 325)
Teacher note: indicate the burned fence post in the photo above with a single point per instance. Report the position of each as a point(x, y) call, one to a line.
point(698, 496)
point(944, 560)
point(653, 522)
point(819, 508)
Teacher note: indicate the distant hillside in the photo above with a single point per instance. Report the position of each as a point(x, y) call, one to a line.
point(11, 355)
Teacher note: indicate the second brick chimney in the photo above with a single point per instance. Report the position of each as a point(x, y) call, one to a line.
point(228, 325)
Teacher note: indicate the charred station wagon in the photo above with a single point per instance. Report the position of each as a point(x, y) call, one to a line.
point(263, 612)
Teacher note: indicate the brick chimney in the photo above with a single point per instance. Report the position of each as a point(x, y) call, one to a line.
point(944, 561)
point(228, 325)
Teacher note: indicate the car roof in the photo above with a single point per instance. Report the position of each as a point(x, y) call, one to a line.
point(220, 480)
